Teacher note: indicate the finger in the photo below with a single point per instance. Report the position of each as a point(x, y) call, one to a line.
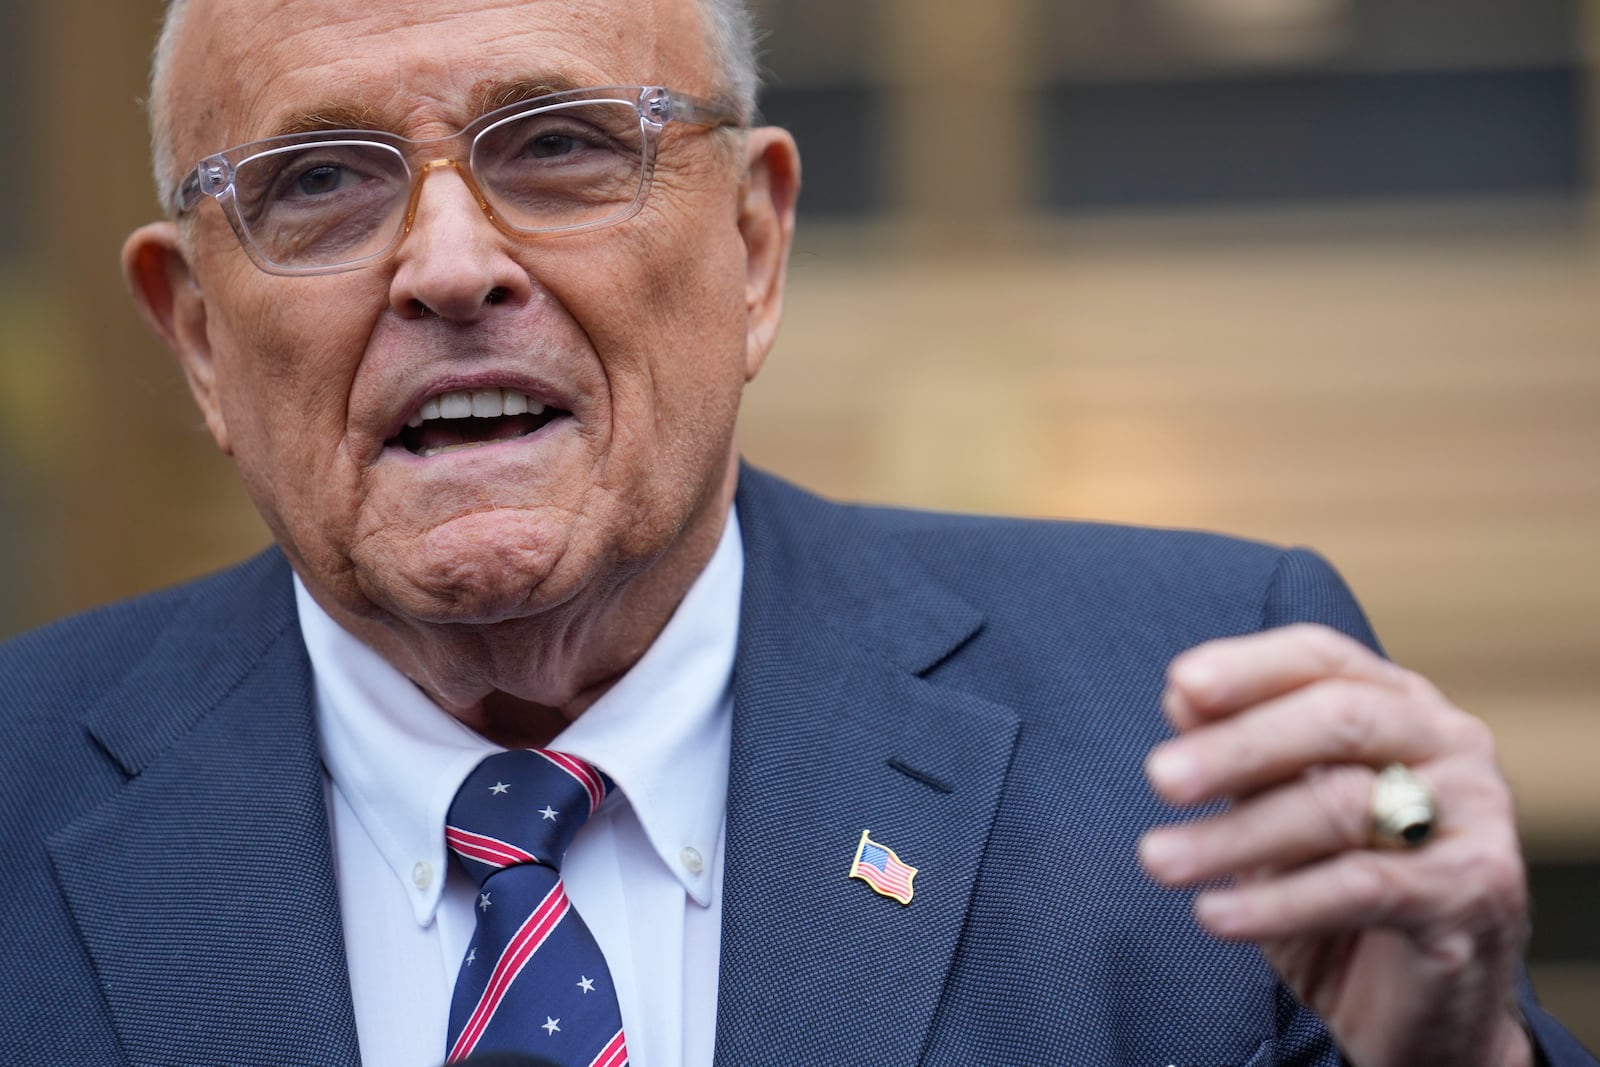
point(1354, 889)
point(1471, 883)
point(1336, 721)
point(1324, 812)
point(1221, 677)
point(1328, 809)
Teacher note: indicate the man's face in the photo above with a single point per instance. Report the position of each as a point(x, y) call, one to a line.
point(637, 338)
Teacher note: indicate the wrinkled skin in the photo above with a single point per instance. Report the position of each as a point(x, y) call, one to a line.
point(1409, 957)
point(514, 582)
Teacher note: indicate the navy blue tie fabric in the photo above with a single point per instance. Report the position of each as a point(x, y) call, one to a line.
point(533, 979)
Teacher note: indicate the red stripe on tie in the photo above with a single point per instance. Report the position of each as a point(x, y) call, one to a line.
point(486, 849)
point(615, 1054)
point(585, 774)
point(524, 943)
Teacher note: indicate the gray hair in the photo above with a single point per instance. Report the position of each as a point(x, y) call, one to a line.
point(730, 37)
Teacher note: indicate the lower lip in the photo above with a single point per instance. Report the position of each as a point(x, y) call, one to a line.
point(402, 454)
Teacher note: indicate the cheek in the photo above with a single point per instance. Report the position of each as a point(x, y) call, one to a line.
point(677, 370)
point(695, 295)
point(288, 350)
point(285, 365)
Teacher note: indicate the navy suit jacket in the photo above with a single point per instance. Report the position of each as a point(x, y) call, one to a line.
point(977, 693)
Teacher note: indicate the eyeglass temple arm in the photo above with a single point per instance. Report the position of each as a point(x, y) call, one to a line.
point(187, 194)
point(698, 111)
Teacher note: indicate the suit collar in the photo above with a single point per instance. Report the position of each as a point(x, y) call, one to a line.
point(835, 563)
point(209, 647)
point(203, 889)
point(838, 627)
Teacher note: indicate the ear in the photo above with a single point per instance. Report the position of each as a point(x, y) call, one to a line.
point(157, 270)
point(766, 222)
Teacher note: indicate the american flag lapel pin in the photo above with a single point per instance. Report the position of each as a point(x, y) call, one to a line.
point(879, 867)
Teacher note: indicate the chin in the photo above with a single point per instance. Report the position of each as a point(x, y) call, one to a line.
point(481, 569)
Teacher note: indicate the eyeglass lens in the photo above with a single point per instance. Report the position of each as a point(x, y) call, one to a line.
point(339, 201)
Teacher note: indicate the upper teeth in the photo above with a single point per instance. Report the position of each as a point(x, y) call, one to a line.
point(476, 404)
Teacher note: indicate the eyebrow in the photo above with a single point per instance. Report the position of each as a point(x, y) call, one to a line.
point(486, 97)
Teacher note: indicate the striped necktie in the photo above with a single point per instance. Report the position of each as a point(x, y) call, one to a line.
point(533, 979)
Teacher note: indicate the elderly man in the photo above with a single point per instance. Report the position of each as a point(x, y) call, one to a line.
point(839, 785)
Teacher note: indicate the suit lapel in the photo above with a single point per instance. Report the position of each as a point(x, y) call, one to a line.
point(835, 732)
point(204, 893)
point(203, 889)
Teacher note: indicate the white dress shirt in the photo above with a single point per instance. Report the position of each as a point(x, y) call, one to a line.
point(645, 872)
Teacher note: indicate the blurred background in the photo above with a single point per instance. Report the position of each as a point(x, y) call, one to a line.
point(1321, 272)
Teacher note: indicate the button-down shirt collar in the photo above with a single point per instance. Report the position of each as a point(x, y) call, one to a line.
point(398, 759)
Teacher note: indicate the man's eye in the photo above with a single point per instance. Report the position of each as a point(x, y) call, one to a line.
point(551, 146)
point(319, 180)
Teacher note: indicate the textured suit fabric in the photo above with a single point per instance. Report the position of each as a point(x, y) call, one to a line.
point(977, 693)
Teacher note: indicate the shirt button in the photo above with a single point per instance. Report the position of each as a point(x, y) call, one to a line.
point(692, 860)
point(422, 874)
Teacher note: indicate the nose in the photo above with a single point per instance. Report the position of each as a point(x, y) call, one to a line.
point(453, 262)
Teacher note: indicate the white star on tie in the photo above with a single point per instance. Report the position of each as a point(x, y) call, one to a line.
point(548, 812)
point(498, 788)
point(472, 954)
point(483, 901)
point(586, 984)
point(551, 1026)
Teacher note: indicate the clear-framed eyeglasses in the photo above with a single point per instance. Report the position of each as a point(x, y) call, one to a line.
point(335, 200)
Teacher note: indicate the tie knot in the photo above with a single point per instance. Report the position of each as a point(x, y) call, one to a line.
point(522, 806)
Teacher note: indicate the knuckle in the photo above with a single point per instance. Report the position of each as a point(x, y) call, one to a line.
point(1484, 872)
point(1339, 796)
point(1311, 632)
point(1363, 878)
point(1331, 648)
point(1347, 719)
point(1487, 899)
point(1454, 953)
point(1472, 736)
point(1501, 879)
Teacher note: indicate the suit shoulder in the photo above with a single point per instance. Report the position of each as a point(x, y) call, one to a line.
point(1081, 554)
point(72, 659)
point(1073, 575)
point(1011, 537)
point(1145, 575)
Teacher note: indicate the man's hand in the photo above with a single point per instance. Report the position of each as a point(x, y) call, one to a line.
point(1409, 956)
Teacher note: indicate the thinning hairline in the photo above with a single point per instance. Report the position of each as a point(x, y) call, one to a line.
point(727, 24)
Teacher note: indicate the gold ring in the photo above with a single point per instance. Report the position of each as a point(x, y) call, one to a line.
point(1403, 808)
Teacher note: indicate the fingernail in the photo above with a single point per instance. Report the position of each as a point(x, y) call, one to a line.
point(1222, 912)
point(1173, 772)
point(1201, 679)
point(1165, 854)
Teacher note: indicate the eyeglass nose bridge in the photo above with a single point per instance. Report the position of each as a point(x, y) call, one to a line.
point(464, 170)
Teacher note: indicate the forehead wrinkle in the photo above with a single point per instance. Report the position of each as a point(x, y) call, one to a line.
point(375, 75)
point(327, 117)
point(491, 94)
point(487, 95)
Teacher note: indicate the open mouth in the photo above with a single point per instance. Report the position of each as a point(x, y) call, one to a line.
point(451, 422)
